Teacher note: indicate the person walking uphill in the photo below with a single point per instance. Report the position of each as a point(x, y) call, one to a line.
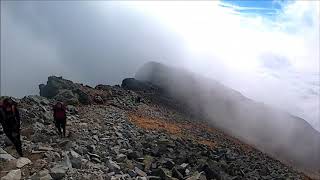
point(60, 118)
point(10, 121)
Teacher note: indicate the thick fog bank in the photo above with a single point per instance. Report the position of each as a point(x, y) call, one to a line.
point(280, 134)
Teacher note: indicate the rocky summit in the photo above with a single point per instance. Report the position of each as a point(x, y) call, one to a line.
point(127, 132)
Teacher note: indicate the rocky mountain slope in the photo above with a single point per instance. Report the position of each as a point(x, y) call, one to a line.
point(284, 136)
point(116, 133)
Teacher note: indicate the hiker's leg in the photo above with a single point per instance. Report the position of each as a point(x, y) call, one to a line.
point(57, 123)
point(64, 127)
point(14, 137)
point(17, 142)
point(9, 134)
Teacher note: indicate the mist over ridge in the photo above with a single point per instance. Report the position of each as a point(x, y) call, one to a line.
point(274, 61)
point(273, 131)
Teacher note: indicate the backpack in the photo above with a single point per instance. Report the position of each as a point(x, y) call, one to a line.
point(9, 121)
point(2, 115)
point(60, 114)
point(4, 121)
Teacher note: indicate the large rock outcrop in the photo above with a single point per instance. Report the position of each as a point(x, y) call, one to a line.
point(65, 91)
point(136, 85)
point(54, 85)
point(286, 137)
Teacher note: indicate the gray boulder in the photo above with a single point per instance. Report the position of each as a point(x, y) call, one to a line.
point(37, 99)
point(58, 171)
point(113, 166)
point(22, 162)
point(13, 175)
point(83, 97)
point(67, 96)
point(4, 156)
point(41, 175)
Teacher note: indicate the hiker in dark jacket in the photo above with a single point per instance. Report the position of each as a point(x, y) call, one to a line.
point(10, 121)
point(60, 118)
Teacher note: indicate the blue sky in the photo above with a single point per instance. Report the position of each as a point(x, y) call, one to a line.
point(258, 7)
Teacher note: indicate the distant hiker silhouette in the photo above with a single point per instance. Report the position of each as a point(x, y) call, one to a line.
point(60, 118)
point(10, 121)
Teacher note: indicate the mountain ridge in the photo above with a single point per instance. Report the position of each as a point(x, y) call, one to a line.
point(118, 133)
point(232, 104)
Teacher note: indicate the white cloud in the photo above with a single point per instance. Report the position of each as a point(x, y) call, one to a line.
point(234, 47)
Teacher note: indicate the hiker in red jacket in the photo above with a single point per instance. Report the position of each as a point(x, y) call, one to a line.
point(60, 118)
point(10, 121)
